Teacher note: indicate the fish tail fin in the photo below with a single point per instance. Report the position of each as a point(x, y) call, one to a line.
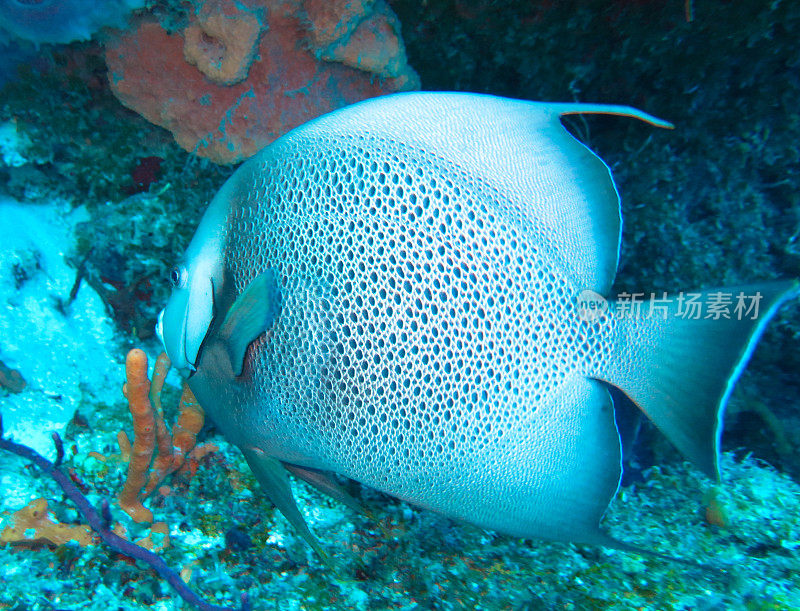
point(679, 357)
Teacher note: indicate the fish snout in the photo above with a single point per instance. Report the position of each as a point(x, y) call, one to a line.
point(174, 347)
point(160, 329)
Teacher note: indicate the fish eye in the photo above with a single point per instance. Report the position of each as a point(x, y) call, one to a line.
point(177, 277)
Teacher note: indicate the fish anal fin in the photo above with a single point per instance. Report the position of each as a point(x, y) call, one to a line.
point(253, 312)
point(567, 452)
point(325, 483)
point(274, 480)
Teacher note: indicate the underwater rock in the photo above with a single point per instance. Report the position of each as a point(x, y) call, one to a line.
point(286, 84)
point(13, 145)
point(65, 352)
point(62, 21)
point(11, 379)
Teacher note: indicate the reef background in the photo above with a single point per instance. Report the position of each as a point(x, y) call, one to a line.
point(714, 202)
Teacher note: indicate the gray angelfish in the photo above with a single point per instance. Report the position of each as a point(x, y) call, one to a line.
point(397, 292)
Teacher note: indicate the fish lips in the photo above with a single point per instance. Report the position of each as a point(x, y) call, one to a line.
point(174, 344)
point(183, 324)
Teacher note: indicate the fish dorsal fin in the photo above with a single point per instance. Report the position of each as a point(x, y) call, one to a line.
point(251, 314)
point(518, 148)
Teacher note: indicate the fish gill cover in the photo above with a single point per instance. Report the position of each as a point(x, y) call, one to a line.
point(713, 202)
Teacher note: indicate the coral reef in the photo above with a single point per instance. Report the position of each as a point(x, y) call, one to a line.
point(97, 140)
point(62, 21)
point(223, 41)
point(365, 36)
point(155, 449)
point(211, 112)
point(100, 153)
point(714, 201)
point(32, 525)
point(427, 557)
point(100, 522)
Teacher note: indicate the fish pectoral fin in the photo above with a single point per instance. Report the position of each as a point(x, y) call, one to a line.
point(272, 476)
point(251, 314)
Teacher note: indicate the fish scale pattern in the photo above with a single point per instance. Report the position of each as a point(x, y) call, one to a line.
point(421, 327)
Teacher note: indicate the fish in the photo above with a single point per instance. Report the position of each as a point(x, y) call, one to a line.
point(413, 292)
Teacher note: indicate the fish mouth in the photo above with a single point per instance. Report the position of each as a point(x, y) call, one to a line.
point(179, 359)
point(160, 329)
